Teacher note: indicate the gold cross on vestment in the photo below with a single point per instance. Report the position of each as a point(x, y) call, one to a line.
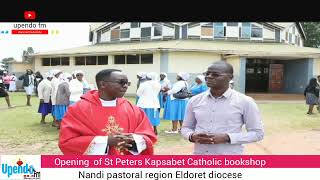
point(112, 127)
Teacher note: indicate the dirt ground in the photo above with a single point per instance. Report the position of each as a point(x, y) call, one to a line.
point(293, 143)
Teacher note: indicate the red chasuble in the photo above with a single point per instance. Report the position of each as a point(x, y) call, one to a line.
point(88, 118)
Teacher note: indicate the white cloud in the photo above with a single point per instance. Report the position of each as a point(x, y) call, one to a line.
point(69, 35)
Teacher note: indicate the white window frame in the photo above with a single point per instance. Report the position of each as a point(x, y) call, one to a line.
point(153, 30)
point(256, 38)
point(126, 38)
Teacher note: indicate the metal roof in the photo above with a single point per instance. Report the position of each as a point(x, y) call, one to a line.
point(216, 46)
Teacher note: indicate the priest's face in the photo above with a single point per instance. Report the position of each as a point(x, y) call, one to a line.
point(116, 85)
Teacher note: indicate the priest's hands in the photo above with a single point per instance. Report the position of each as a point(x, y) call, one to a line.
point(203, 138)
point(122, 142)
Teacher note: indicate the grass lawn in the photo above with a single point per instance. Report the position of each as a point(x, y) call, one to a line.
point(21, 132)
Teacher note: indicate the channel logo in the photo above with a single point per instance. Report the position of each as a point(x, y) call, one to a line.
point(29, 15)
point(18, 168)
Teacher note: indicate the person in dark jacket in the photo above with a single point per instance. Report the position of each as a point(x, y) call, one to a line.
point(311, 94)
point(37, 79)
point(28, 84)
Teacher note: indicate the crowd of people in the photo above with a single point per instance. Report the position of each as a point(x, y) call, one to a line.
point(9, 81)
point(56, 90)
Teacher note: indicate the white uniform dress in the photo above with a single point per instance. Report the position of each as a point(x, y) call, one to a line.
point(148, 100)
point(13, 86)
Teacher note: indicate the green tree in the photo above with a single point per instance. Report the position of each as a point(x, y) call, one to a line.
point(312, 31)
point(5, 62)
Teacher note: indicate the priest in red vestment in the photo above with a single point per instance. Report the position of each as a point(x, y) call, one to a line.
point(103, 122)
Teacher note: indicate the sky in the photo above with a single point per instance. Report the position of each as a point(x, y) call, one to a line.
point(69, 35)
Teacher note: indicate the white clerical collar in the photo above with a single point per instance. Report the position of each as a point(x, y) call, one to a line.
point(111, 103)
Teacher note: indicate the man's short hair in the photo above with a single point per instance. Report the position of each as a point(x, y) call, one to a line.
point(29, 70)
point(104, 74)
point(228, 66)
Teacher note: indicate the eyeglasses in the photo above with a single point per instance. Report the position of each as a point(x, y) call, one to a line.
point(214, 74)
point(122, 82)
point(79, 75)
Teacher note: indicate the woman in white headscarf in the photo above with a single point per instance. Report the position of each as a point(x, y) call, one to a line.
point(86, 86)
point(62, 99)
point(174, 109)
point(165, 86)
point(199, 86)
point(54, 84)
point(142, 77)
point(76, 86)
point(148, 99)
point(44, 92)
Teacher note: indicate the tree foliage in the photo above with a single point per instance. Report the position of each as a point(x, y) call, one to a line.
point(312, 31)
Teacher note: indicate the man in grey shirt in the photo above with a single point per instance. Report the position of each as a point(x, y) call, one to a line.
point(214, 119)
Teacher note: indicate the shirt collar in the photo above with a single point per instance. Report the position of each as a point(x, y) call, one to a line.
point(226, 94)
point(111, 103)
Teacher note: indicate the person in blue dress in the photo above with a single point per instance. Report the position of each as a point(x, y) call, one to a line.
point(199, 86)
point(148, 99)
point(174, 109)
point(62, 98)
